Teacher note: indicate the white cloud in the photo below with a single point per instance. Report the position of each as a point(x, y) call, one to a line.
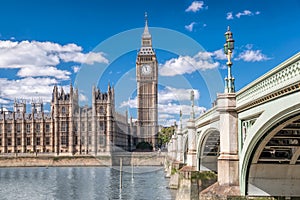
point(219, 54)
point(55, 47)
point(27, 88)
point(244, 13)
point(167, 121)
point(82, 97)
point(224, 67)
point(38, 66)
point(4, 109)
point(36, 71)
point(230, 15)
point(247, 55)
point(190, 26)
point(4, 101)
point(131, 103)
point(165, 116)
point(195, 6)
point(7, 44)
point(252, 56)
point(76, 69)
point(40, 54)
point(173, 108)
point(25, 53)
point(89, 58)
point(170, 94)
point(187, 64)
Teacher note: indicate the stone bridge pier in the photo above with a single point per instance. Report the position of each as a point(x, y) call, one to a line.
point(228, 161)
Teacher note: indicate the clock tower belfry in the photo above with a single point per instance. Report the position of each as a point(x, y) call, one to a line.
point(147, 79)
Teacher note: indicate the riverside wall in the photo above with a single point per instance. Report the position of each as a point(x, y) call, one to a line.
point(128, 158)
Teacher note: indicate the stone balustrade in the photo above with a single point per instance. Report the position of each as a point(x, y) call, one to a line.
point(281, 80)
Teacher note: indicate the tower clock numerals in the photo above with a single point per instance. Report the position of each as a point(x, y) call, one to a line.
point(146, 69)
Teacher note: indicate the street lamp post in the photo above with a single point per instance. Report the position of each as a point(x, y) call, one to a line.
point(228, 48)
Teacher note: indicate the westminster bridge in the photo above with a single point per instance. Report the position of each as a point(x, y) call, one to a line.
point(250, 138)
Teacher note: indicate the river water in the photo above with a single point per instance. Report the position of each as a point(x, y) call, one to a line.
point(84, 183)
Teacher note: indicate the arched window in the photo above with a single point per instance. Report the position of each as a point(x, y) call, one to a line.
point(63, 110)
point(101, 110)
point(101, 125)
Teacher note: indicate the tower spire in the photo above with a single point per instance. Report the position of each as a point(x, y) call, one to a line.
point(146, 34)
point(146, 19)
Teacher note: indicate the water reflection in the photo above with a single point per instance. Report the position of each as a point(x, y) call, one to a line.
point(83, 183)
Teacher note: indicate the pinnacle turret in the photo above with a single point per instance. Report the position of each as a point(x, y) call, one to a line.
point(146, 33)
point(146, 37)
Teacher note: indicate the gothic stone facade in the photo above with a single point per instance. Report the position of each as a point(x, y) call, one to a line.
point(68, 128)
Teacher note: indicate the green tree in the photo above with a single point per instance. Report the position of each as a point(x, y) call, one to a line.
point(165, 135)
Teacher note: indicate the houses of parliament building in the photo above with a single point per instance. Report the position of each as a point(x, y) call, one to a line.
point(69, 129)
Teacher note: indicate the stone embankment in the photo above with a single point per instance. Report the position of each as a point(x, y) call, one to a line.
point(49, 161)
point(136, 159)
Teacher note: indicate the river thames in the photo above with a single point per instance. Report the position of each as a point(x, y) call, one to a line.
point(84, 183)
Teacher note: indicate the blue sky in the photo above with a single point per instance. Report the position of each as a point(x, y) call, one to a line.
point(43, 43)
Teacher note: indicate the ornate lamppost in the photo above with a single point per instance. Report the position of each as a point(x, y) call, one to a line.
point(228, 48)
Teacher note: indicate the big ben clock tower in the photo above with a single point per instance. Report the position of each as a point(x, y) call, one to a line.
point(147, 78)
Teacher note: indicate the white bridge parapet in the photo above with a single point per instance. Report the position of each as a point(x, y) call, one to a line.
point(208, 117)
point(281, 80)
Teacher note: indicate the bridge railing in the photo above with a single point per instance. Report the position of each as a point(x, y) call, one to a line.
point(207, 117)
point(283, 79)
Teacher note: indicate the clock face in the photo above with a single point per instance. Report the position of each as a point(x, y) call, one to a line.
point(146, 69)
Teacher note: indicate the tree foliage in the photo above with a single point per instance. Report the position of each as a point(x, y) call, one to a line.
point(165, 135)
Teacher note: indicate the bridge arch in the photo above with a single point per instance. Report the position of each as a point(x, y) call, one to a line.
point(208, 148)
point(270, 163)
